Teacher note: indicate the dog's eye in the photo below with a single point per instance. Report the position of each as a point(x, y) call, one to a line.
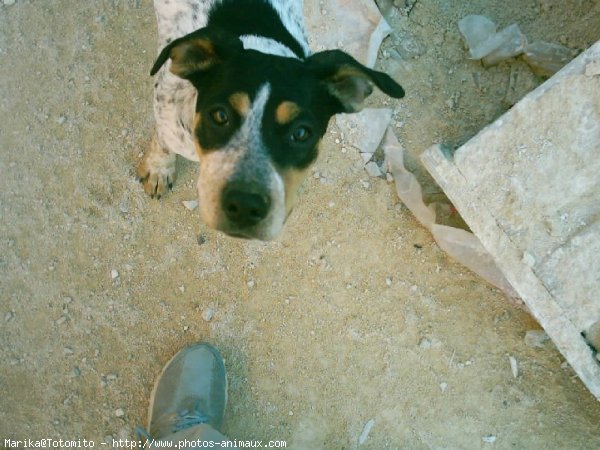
point(301, 134)
point(219, 116)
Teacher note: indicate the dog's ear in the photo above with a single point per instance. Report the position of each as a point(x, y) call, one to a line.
point(198, 51)
point(348, 80)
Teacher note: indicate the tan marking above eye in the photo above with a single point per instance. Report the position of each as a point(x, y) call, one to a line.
point(286, 112)
point(240, 101)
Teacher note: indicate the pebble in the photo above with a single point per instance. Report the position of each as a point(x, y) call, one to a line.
point(182, 288)
point(112, 376)
point(76, 371)
point(388, 281)
point(61, 320)
point(489, 439)
point(365, 432)
point(114, 274)
point(536, 338)
point(68, 351)
point(9, 2)
point(9, 316)
point(208, 314)
point(62, 119)
point(119, 412)
point(425, 344)
point(443, 386)
point(514, 366)
point(190, 204)
point(251, 283)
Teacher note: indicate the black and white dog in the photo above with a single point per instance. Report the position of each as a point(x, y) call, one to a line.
point(238, 90)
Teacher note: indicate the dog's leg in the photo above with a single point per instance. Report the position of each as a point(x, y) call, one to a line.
point(157, 170)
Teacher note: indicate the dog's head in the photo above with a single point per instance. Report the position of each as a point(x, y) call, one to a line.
point(258, 123)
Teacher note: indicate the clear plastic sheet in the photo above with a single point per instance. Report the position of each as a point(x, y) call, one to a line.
point(493, 47)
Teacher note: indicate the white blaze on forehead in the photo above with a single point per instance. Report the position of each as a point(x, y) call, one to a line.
point(250, 131)
point(244, 156)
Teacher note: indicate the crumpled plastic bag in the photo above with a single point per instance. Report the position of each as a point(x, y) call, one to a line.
point(460, 244)
point(492, 47)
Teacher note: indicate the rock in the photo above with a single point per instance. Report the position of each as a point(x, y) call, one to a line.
point(208, 314)
point(9, 316)
point(425, 344)
point(119, 412)
point(443, 386)
point(8, 2)
point(536, 338)
point(190, 204)
point(514, 366)
point(61, 320)
point(114, 274)
point(365, 432)
point(489, 439)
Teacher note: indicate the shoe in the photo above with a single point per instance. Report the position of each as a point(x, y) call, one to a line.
point(191, 389)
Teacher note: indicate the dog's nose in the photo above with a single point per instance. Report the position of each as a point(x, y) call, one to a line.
point(245, 208)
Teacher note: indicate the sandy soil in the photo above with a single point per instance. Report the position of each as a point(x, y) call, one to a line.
point(354, 314)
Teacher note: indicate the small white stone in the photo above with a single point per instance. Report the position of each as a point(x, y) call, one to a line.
point(388, 281)
point(489, 439)
point(119, 412)
point(9, 316)
point(536, 338)
point(190, 204)
point(61, 320)
point(443, 386)
point(414, 288)
point(182, 288)
point(112, 376)
point(208, 314)
point(114, 274)
point(365, 432)
point(514, 366)
point(186, 328)
point(291, 413)
point(425, 344)
point(9, 2)
point(251, 283)
point(68, 351)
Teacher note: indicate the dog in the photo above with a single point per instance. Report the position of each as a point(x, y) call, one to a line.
point(238, 90)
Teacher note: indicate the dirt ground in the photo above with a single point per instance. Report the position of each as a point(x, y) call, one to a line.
point(353, 315)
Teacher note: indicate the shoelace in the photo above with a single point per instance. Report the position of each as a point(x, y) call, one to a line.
point(173, 423)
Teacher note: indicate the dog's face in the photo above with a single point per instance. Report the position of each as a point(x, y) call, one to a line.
point(258, 123)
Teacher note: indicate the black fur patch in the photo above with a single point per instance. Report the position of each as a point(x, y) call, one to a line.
point(253, 17)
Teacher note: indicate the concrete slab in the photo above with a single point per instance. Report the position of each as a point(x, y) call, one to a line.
point(528, 185)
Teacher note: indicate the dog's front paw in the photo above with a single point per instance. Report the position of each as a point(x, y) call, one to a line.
point(157, 170)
